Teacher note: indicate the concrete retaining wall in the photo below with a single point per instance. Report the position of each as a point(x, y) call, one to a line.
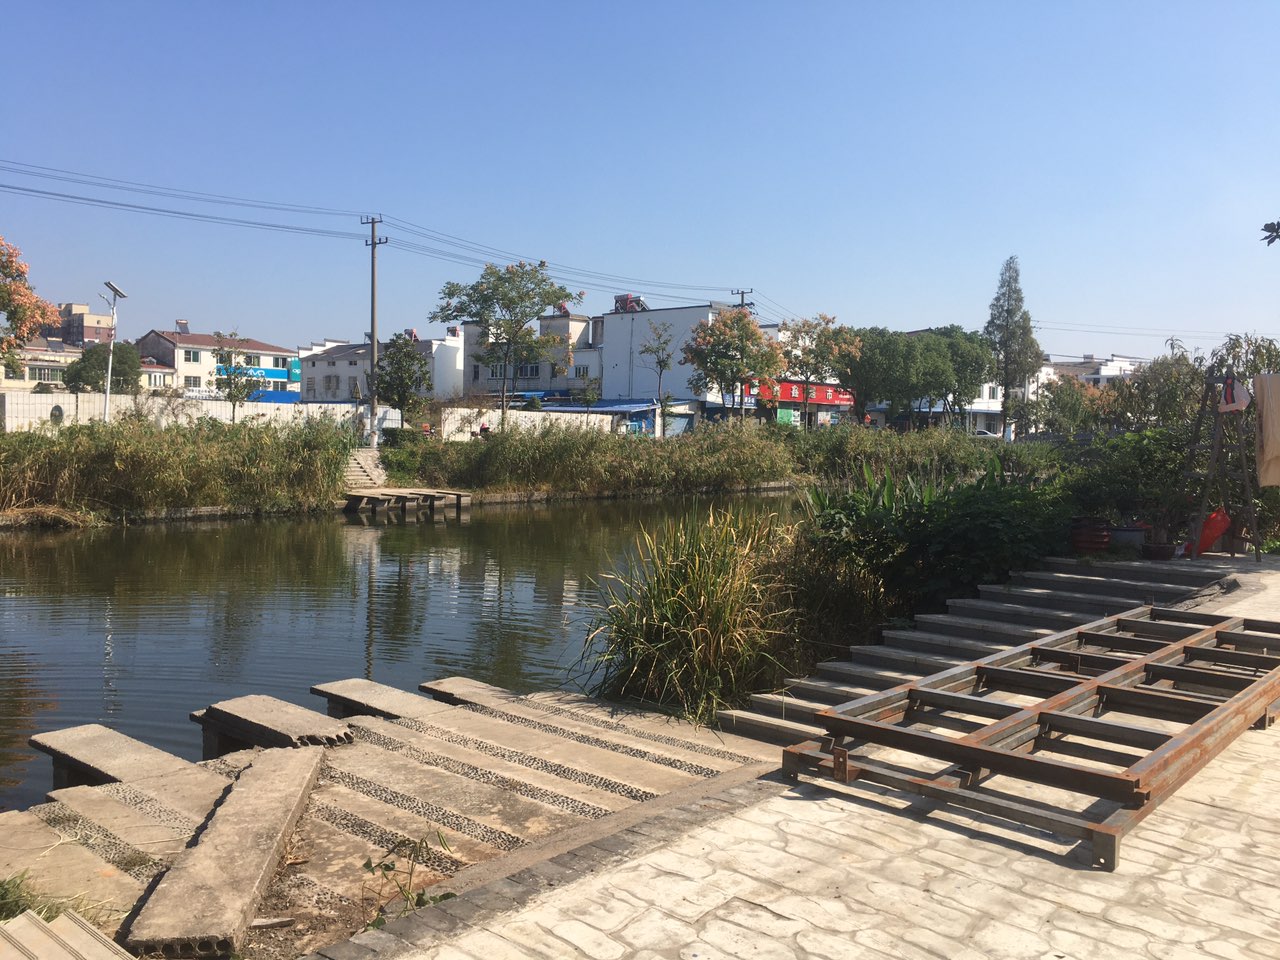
point(459, 423)
point(20, 410)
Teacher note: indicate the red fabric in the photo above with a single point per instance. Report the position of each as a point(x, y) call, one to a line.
point(1215, 525)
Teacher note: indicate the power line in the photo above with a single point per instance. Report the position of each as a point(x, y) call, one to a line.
point(414, 229)
point(88, 179)
point(179, 214)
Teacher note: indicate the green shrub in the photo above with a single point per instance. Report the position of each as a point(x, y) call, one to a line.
point(696, 618)
point(926, 542)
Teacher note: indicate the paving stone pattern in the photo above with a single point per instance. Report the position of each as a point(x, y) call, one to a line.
point(771, 871)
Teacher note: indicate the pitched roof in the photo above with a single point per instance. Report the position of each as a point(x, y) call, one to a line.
point(207, 341)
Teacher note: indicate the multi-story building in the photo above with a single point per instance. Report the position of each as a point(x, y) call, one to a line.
point(339, 371)
point(79, 326)
point(194, 359)
point(573, 366)
point(41, 360)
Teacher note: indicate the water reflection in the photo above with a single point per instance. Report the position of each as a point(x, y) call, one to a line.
point(137, 627)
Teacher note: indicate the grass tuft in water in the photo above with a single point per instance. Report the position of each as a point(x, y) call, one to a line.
point(696, 616)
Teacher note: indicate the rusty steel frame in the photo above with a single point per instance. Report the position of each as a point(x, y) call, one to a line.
point(1219, 674)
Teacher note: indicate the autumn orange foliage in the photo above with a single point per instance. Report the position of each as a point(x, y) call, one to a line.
point(24, 313)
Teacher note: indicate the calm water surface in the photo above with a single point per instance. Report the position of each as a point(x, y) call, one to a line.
point(137, 627)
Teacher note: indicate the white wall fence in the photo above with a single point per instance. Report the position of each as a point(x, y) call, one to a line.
point(460, 423)
point(20, 410)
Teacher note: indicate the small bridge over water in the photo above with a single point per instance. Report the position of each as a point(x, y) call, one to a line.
point(404, 499)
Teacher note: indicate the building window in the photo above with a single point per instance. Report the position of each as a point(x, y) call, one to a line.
point(528, 371)
point(331, 383)
point(991, 425)
point(280, 363)
point(993, 393)
point(311, 386)
point(498, 371)
point(333, 363)
point(353, 363)
point(190, 356)
point(191, 381)
point(18, 374)
point(581, 372)
point(475, 371)
point(157, 380)
point(46, 374)
point(252, 360)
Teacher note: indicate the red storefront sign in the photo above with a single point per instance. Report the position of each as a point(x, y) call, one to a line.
point(788, 391)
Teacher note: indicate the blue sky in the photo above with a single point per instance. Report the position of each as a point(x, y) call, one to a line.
point(874, 161)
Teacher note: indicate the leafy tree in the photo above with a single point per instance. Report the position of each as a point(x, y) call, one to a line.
point(232, 378)
point(505, 302)
point(808, 348)
point(89, 373)
point(1012, 338)
point(22, 313)
point(1270, 232)
point(927, 376)
point(403, 374)
point(972, 365)
point(657, 347)
point(875, 364)
point(730, 351)
point(1067, 405)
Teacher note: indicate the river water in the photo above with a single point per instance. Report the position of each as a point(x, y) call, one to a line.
point(137, 627)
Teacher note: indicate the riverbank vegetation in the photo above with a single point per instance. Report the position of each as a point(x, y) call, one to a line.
point(566, 461)
point(131, 467)
point(875, 544)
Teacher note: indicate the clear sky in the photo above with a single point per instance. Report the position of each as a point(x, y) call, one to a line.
point(874, 161)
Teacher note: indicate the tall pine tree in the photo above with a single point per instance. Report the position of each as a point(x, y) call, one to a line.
point(1012, 339)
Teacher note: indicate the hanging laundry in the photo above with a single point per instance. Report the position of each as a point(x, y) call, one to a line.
point(1235, 396)
point(1267, 388)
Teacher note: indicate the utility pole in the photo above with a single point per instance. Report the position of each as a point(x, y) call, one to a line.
point(742, 297)
point(372, 243)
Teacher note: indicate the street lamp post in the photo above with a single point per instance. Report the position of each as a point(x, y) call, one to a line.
point(116, 294)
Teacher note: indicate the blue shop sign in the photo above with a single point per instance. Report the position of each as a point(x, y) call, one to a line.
point(258, 373)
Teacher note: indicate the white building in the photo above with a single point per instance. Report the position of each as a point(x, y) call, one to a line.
point(573, 368)
point(193, 357)
point(626, 373)
point(339, 371)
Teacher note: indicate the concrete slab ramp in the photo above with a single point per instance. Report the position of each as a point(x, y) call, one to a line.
point(68, 937)
point(203, 905)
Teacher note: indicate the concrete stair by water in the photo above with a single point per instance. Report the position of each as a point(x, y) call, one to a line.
point(1034, 604)
point(364, 469)
point(67, 937)
point(191, 852)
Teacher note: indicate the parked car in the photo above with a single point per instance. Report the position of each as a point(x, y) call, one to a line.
point(986, 433)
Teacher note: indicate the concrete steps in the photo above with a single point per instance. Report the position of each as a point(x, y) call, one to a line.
point(1141, 591)
point(1093, 604)
point(67, 937)
point(1034, 604)
point(191, 851)
point(364, 469)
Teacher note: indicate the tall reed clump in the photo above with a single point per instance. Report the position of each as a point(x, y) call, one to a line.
point(570, 460)
point(132, 466)
point(696, 617)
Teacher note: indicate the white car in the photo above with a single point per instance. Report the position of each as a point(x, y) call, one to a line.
point(986, 433)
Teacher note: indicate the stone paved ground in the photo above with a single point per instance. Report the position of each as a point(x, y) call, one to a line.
point(807, 872)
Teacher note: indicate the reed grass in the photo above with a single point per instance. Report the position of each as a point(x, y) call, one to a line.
point(696, 616)
point(132, 466)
